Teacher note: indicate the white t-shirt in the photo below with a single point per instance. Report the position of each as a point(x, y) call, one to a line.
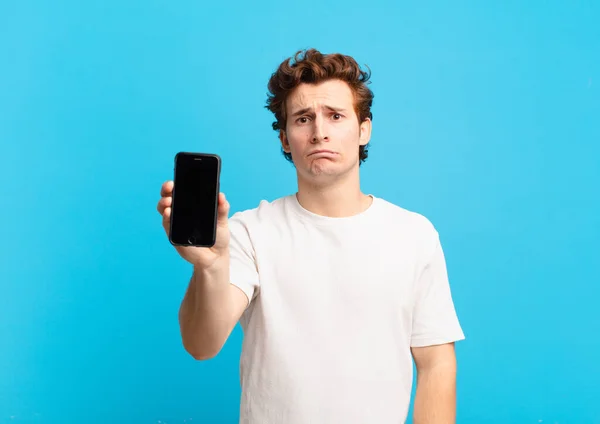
point(336, 304)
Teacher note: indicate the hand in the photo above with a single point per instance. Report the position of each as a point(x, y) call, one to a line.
point(201, 257)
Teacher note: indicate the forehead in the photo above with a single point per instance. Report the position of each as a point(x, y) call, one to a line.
point(331, 93)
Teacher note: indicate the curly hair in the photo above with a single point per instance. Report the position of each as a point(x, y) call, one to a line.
point(312, 67)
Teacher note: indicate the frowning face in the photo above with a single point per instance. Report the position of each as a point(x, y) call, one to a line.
point(322, 131)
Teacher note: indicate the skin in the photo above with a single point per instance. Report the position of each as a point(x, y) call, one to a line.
point(322, 117)
point(323, 135)
point(435, 399)
point(211, 306)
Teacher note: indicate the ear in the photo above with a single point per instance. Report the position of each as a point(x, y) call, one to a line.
point(365, 131)
point(284, 141)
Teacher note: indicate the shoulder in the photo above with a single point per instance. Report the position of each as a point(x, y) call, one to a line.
point(267, 211)
point(248, 226)
point(414, 226)
point(398, 215)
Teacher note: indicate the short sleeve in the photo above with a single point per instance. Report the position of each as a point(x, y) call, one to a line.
point(434, 316)
point(243, 272)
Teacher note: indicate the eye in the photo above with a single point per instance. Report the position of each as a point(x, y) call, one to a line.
point(336, 116)
point(302, 120)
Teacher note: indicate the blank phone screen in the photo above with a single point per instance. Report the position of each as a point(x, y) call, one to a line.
point(195, 195)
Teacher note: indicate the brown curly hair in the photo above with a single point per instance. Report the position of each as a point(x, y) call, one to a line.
point(312, 67)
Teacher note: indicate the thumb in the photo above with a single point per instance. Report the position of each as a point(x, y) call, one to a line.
point(222, 210)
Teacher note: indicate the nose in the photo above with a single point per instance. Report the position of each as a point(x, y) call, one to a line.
point(320, 132)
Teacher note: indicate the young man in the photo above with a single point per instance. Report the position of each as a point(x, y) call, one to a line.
point(336, 290)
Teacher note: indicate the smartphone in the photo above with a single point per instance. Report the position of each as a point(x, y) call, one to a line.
point(195, 199)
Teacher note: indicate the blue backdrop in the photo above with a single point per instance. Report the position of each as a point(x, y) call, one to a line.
point(486, 120)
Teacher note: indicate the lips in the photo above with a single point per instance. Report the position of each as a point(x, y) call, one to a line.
point(322, 152)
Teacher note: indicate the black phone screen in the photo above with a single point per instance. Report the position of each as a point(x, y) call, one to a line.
point(195, 197)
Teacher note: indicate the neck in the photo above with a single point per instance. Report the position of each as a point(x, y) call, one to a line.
point(338, 199)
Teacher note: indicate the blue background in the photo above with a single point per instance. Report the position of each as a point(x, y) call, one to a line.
point(486, 120)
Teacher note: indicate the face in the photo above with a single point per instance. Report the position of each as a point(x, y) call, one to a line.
point(322, 131)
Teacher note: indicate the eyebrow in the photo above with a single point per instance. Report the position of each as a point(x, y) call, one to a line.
point(309, 109)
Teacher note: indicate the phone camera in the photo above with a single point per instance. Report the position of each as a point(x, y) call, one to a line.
point(192, 240)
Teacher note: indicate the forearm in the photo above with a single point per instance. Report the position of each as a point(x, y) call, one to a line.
point(435, 399)
point(207, 310)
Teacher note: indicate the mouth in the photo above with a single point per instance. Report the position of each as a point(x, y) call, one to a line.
point(322, 153)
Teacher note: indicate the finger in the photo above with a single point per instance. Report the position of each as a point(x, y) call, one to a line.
point(166, 189)
point(166, 221)
point(163, 203)
point(221, 199)
point(223, 209)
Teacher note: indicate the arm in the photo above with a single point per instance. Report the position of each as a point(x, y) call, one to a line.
point(435, 329)
point(210, 310)
point(212, 305)
point(435, 400)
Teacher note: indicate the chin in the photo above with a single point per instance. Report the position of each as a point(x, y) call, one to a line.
point(325, 171)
